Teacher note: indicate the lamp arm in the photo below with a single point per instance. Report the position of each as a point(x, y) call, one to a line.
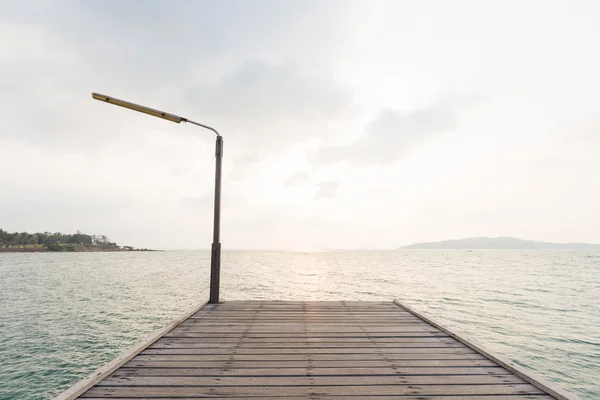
point(201, 125)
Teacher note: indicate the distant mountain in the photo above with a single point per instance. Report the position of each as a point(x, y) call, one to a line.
point(500, 243)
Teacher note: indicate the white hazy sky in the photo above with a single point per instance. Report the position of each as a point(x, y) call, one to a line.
point(346, 124)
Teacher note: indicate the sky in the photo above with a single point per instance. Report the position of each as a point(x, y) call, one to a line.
point(346, 124)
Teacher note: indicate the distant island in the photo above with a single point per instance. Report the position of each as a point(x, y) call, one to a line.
point(500, 243)
point(11, 242)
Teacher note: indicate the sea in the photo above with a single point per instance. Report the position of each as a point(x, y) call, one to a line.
point(63, 315)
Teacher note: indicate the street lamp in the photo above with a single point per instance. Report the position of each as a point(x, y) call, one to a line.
point(215, 255)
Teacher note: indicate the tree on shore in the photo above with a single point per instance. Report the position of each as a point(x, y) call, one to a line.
point(53, 241)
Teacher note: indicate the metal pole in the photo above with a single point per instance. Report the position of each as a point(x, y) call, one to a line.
point(215, 255)
point(215, 252)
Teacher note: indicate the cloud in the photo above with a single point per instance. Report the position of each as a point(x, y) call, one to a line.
point(298, 177)
point(251, 70)
point(206, 201)
point(52, 59)
point(241, 165)
point(277, 79)
point(391, 132)
point(263, 102)
point(263, 108)
point(326, 190)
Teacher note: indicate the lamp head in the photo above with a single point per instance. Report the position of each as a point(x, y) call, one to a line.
point(139, 108)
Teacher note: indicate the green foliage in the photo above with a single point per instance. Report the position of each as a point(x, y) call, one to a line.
point(80, 238)
point(54, 247)
point(53, 241)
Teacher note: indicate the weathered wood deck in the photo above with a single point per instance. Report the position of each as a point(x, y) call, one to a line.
point(310, 350)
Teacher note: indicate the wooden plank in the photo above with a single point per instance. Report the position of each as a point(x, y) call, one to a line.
point(296, 321)
point(285, 391)
point(287, 312)
point(239, 328)
point(300, 308)
point(315, 364)
point(314, 357)
point(306, 309)
point(226, 370)
point(320, 317)
point(104, 371)
point(351, 323)
point(310, 327)
point(314, 396)
point(302, 323)
point(314, 320)
point(543, 384)
point(285, 308)
point(311, 350)
point(300, 313)
point(241, 350)
point(310, 340)
point(307, 303)
point(305, 342)
point(370, 317)
point(310, 332)
point(313, 380)
point(303, 347)
point(299, 320)
point(306, 334)
point(308, 315)
point(314, 312)
point(306, 339)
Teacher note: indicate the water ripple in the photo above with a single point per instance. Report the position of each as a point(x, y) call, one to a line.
point(64, 315)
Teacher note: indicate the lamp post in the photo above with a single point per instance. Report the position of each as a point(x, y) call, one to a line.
point(215, 255)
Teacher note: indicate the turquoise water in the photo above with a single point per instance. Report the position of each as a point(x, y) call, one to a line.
point(64, 315)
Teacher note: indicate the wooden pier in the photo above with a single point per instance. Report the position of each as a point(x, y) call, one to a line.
point(310, 350)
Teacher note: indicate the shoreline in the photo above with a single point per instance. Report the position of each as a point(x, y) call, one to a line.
point(45, 250)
